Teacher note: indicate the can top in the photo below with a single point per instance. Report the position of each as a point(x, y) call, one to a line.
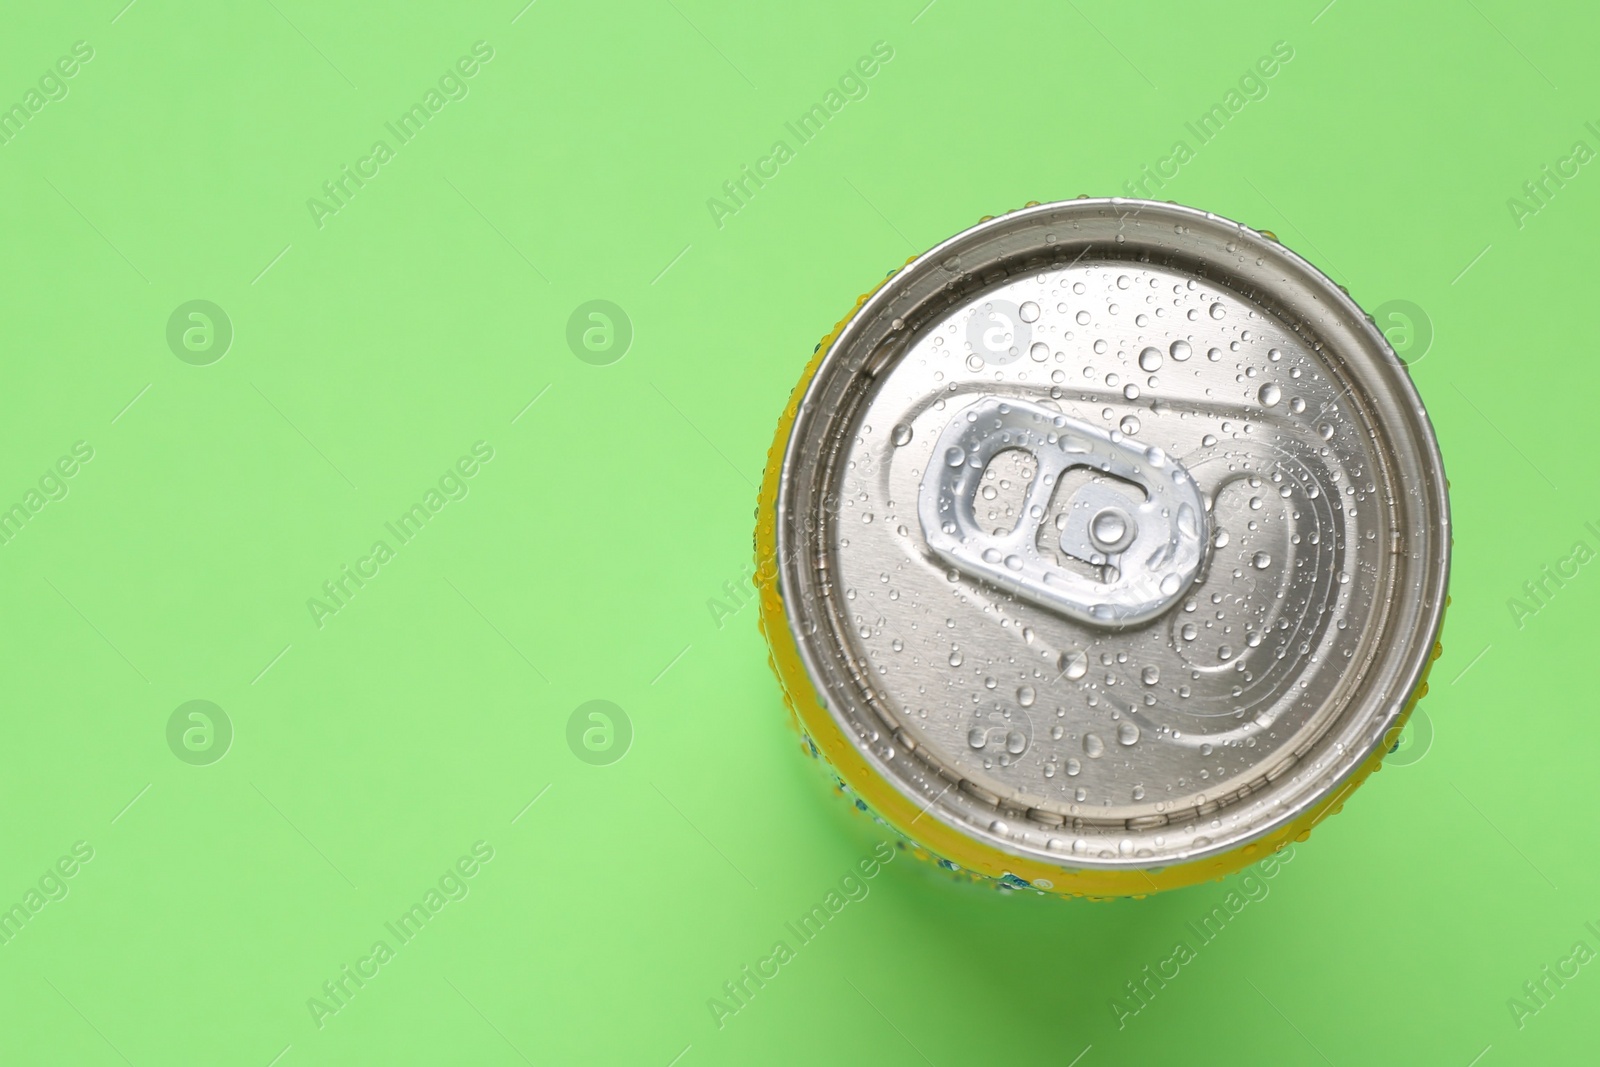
point(1113, 533)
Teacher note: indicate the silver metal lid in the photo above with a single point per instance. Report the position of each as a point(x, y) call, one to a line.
point(1113, 533)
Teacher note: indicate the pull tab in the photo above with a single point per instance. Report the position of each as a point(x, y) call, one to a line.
point(1145, 554)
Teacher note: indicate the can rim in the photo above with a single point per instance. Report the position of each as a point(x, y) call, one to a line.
point(863, 345)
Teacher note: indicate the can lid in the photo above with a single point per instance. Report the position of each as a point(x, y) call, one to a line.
point(1112, 533)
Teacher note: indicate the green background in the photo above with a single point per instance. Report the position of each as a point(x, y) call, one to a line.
point(372, 352)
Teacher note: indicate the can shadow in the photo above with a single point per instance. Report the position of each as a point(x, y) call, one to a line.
point(1069, 957)
point(1072, 956)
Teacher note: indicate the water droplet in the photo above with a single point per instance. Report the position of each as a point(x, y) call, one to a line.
point(1217, 311)
point(1129, 425)
point(1073, 767)
point(954, 457)
point(1262, 561)
point(1221, 540)
point(901, 435)
point(1083, 318)
point(1169, 585)
point(1270, 394)
point(977, 737)
point(1025, 696)
point(1093, 747)
point(1189, 632)
point(955, 657)
point(1074, 664)
point(1150, 359)
point(1181, 350)
point(1029, 311)
point(1151, 675)
point(1016, 742)
point(1209, 440)
point(1127, 734)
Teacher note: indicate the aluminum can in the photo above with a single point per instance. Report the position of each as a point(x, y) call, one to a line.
point(1103, 548)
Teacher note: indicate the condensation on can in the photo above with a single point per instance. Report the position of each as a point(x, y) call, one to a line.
point(1102, 549)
